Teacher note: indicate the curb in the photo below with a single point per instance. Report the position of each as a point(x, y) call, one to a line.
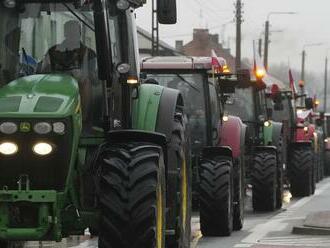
point(310, 230)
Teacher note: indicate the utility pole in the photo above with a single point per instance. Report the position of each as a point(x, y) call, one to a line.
point(260, 47)
point(325, 84)
point(238, 33)
point(154, 30)
point(302, 77)
point(266, 45)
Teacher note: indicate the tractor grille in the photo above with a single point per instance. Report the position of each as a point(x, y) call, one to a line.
point(45, 172)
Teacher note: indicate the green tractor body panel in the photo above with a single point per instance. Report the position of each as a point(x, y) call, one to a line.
point(146, 107)
point(40, 96)
point(28, 100)
point(272, 133)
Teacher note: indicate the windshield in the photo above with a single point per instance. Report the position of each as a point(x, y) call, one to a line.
point(52, 38)
point(241, 104)
point(191, 87)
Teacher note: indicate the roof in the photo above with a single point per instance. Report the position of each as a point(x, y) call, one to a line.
point(179, 62)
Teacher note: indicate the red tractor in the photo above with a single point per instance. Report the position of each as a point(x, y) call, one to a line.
point(216, 141)
point(300, 138)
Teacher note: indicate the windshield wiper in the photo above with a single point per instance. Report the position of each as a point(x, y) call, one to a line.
point(185, 81)
point(79, 18)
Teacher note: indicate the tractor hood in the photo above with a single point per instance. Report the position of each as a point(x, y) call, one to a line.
point(54, 95)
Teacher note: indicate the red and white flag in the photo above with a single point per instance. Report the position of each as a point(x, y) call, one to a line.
point(215, 62)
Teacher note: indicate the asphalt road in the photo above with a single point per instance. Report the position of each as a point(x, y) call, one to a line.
point(261, 230)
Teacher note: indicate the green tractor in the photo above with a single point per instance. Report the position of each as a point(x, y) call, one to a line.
point(82, 144)
point(264, 140)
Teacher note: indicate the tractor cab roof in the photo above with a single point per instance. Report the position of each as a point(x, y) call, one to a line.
point(179, 63)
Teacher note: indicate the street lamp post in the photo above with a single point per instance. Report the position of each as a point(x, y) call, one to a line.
point(325, 84)
point(303, 61)
point(267, 34)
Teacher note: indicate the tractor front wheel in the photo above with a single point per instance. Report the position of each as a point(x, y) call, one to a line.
point(301, 171)
point(216, 197)
point(11, 244)
point(132, 196)
point(264, 181)
point(239, 186)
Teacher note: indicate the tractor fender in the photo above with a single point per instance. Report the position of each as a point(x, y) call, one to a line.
point(169, 101)
point(130, 135)
point(146, 106)
point(215, 151)
point(272, 133)
point(307, 143)
point(265, 148)
point(232, 134)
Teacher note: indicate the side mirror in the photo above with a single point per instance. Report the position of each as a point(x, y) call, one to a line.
point(166, 11)
point(243, 77)
point(278, 104)
point(309, 103)
point(269, 113)
point(319, 122)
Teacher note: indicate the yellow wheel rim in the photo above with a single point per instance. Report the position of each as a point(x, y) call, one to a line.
point(159, 218)
point(184, 192)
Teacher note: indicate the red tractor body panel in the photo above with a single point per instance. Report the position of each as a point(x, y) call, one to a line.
point(231, 132)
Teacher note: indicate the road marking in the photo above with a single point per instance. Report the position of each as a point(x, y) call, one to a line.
point(297, 240)
point(242, 245)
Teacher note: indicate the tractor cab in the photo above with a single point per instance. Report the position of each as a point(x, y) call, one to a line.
point(190, 76)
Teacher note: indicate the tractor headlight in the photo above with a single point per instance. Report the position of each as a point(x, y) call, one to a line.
point(42, 128)
point(8, 148)
point(42, 148)
point(306, 129)
point(267, 123)
point(59, 127)
point(8, 128)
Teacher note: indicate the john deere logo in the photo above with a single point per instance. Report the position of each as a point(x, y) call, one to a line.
point(25, 127)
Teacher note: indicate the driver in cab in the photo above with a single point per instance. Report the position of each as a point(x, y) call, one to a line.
point(76, 59)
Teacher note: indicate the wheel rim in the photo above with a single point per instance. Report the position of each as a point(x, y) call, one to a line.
point(184, 190)
point(159, 218)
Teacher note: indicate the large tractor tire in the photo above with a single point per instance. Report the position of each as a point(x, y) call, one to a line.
point(239, 193)
point(216, 196)
point(327, 163)
point(132, 196)
point(281, 146)
point(178, 153)
point(264, 181)
point(11, 244)
point(301, 171)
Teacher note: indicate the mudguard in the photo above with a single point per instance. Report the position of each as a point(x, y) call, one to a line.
point(307, 143)
point(214, 151)
point(146, 107)
point(232, 134)
point(272, 133)
point(170, 99)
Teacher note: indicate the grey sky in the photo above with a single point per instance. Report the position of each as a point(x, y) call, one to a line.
point(310, 25)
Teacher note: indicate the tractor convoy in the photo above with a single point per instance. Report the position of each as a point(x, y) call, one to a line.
point(89, 142)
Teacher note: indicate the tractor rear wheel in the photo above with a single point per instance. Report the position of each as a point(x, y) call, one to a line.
point(178, 154)
point(280, 173)
point(132, 196)
point(216, 197)
point(327, 163)
point(11, 244)
point(301, 171)
point(239, 184)
point(264, 181)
